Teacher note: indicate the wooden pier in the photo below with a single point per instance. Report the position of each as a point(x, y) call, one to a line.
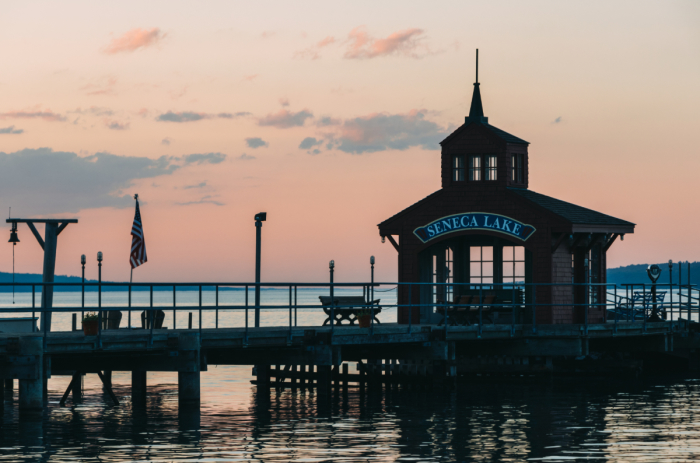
point(319, 357)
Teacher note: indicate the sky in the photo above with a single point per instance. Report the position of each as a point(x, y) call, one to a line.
point(328, 115)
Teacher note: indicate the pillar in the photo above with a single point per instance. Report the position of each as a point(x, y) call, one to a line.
point(324, 379)
point(138, 386)
point(31, 391)
point(77, 387)
point(189, 368)
point(9, 385)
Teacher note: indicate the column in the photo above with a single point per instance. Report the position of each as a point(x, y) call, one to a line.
point(31, 391)
point(189, 369)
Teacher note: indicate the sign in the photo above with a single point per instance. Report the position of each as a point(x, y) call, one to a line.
point(474, 221)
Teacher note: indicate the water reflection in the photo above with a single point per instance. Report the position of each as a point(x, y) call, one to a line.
point(501, 420)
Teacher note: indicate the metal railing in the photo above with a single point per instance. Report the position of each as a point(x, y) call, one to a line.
point(529, 305)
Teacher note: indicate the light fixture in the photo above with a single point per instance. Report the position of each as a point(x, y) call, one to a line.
point(83, 259)
point(13, 234)
point(331, 264)
point(99, 256)
point(371, 260)
point(670, 263)
point(383, 239)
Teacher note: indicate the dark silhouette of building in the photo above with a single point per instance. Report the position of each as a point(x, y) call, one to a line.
point(486, 226)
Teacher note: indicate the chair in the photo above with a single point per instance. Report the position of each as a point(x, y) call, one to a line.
point(486, 309)
point(146, 320)
point(460, 312)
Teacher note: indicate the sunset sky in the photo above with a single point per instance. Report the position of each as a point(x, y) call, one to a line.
point(328, 115)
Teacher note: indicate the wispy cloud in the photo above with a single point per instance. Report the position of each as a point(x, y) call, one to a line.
point(284, 101)
point(267, 34)
point(255, 142)
point(250, 77)
point(285, 119)
point(192, 116)
point(205, 200)
point(133, 40)
point(205, 158)
point(408, 42)
point(114, 125)
point(66, 182)
point(245, 157)
point(166, 141)
point(309, 142)
point(557, 120)
point(199, 185)
point(47, 115)
point(105, 86)
point(381, 132)
point(11, 130)
point(313, 52)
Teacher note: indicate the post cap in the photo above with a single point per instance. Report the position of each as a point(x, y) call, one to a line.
point(371, 260)
point(83, 259)
point(331, 264)
point(99, 256)
point(670, 263)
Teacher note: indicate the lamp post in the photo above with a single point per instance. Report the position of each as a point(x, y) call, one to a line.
point(99, 287)
point(83, 259)
point(670, 285)
point(259, 219)
point(371, 262)
point(331, 267)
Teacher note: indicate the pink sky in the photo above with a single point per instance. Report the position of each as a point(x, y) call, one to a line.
point(327, 115)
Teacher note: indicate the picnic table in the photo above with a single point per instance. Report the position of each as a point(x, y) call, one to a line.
point(347, 308)
point(642, 304)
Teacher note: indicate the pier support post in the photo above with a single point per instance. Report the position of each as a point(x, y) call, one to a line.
point(262, 376)
point(9, 385)
point(31, 389)
point(189, 371)
point(77, 387)
point(138, 386)
point(324, 379)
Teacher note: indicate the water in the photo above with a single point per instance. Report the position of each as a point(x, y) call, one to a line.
point(516, 419)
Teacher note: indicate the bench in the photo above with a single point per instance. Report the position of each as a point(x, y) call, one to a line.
point(347, 308)
point(495, 302)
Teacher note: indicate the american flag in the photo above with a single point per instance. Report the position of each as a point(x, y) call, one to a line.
point(138, 243)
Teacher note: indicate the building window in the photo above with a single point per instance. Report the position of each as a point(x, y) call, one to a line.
point(443, 272)
point(458, 168)
point(513, 264)
point(491, 167)
point(517, 168)
point(475, 168)
point(481, 264)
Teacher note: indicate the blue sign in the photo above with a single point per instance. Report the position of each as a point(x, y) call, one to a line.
point(474, 221)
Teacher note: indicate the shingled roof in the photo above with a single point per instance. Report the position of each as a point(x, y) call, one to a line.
point(570, 212)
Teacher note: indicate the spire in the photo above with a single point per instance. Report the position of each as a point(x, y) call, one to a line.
point(476, 111)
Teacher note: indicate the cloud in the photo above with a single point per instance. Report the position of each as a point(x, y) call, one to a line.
point(47, 115)
point(191, 116)
point(245, 157)
point(327, 120)
point(408, 43)
point(94, 111)
point(285, 119)
point(206, 158)
point(114, 125)
point(255, 142)
point(101, 88)
point(133, 40)
point(557, 120)
point(309, 142)
point(166, 141)
point(313, 51)
point(63, 182)
point(11, 130)
point(325, 42)
point(380, 132)
point(250, 77)
point(199, 185)
point(267, 34)
point(205, 200)
point(284, 101)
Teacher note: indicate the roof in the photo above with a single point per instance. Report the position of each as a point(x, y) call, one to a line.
point(503, 135)
point(570, 212)
point(412, 206)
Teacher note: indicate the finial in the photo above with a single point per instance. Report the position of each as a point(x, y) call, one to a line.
point(477, 65)
point(136, 197)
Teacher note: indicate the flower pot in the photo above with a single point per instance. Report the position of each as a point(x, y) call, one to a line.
point(364, 321)
point(90, 327)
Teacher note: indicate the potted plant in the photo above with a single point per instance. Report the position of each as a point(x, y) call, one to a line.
point(90, 326)
point(364, 318)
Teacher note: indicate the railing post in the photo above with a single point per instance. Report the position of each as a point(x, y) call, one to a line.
point(410, 307)
point(534, 308)
point(246, 316)
point(217, 307)
point(290, 314)
point(616, 312)
point(644, 305)
point(512, 325)
point(481, 306)
point(200, 311)
point(174, 309)
point(295, 305)
point(34, 308)
point(332, 265)
point(152, 317)
point(129, 314)
point(99, 314)
point(587, 309)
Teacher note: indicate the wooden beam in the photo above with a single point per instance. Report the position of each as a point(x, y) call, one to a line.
point(36, 234)
point(60, 228)
point(393, 242)
point(556, 245)
point(57, 221)
point(610, 242)
point(108, 387)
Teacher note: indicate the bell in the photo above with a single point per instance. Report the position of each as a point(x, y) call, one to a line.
point(13, 237)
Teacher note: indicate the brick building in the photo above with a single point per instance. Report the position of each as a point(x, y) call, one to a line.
point(485, 226)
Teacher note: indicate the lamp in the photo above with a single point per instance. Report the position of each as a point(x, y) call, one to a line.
point(670, 263)
point(331, 264)
point(99, 256)
point(383, 239)
point(83, 259)
point(371, 260)
point(13, 234)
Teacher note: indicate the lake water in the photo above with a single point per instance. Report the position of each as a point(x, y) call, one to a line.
point(511, 419)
